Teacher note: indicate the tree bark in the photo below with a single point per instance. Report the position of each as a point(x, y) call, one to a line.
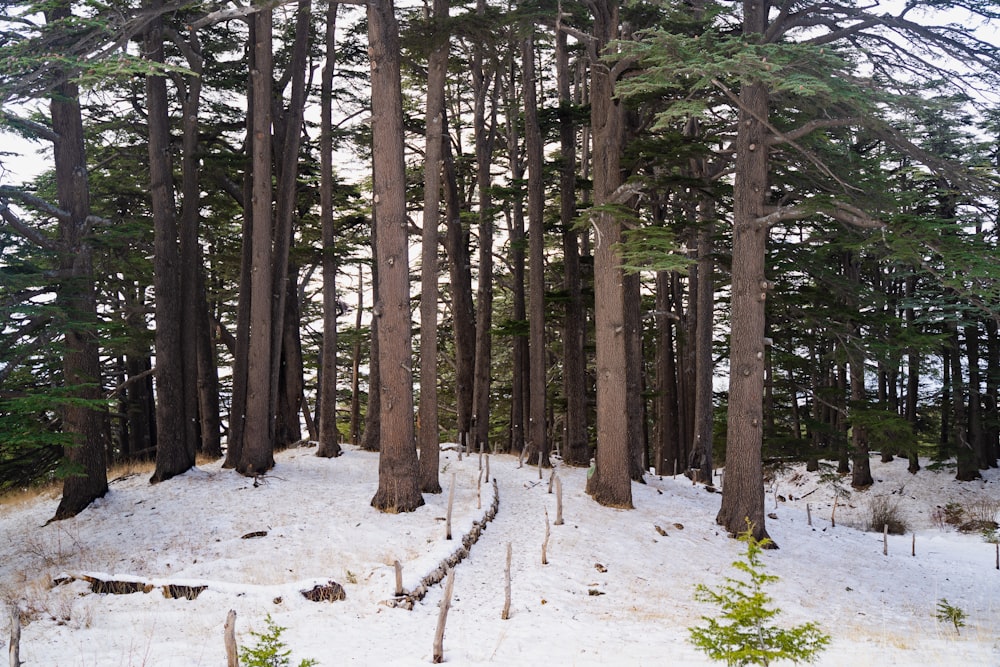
point(176, 405)
point(538, 446)
point(329, 436)
point(610, 483)
point(743, 495)
point(429, 436)
point(398, 489)
point(81, 361)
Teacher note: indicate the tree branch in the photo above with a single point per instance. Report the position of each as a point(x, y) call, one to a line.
point(25, 231)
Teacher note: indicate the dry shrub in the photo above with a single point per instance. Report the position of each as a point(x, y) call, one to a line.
point(981, 516)
point(884, 511)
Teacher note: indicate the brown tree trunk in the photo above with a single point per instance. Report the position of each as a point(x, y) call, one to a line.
point(429, 439)
point(743, 495)
point(81, 361)
point(633, 376)
point(967, 468)
point(460, 281)
point(485, 132)
point(576, 449)
point(977, 437)
point(398, 488)
point(329, 436)
point(538, 445)
point(519, 397)
point(610, 483)
point(912, 377)
point(667, 459)
point(176, 406)
point(700, 459)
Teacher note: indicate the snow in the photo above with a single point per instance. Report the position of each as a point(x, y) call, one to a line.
point(615, 590)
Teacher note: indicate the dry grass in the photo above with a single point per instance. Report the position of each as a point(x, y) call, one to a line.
point(885, 511)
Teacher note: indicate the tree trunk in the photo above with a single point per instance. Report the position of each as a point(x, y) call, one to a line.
point(485, 132)
point(257, 453)
point(743, 495)
point(977, 435)
point(398, 488)
point(576, 449)
point(429, 442)
point(912, 378)
point(701, 449)
point(329, 436)
point(538, 445)
point(610, 483)
point(967, 468)
point(176, 409)
point(633, 375)
point(81, 361)
point(460, 280)
point(519, 397)
point(667, 456)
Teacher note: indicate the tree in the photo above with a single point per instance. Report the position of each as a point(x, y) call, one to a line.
point(399, 489)
point(610, 484)
point(429, 437)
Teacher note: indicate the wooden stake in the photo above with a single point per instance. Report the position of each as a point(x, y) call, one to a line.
point(998, 555)
point(913, 545)
point(545, 543)
point(809, 514)
point(443, 617)
point(487, 467)
point(451, 503)
point(885, 539)
point(552, 479)
point(229, 635)
point(479, 490)
point(15, 635)
point(833, 514)
point(675, 469)
point(539, 465)
point(399, 577)
point(559, 516)
point(461, 444)
point(505, 614)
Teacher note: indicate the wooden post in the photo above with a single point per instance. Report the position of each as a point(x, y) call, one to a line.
point(833, 514)
point(552, 479)
point(998, 554)
point(559, 505)
point(505, 614)
point(675, 469)
point(451, 503)
point(479, 490)
point(229, 634)
point(461, 444)
point(443, 617)
point(15, 633)
point(539, 465)
point(885, 539)
point(809, 514)
point(487, 467)
point(545, 543)
point(399, 577)
point(913, 545)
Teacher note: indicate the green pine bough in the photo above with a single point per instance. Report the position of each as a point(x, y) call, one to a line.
point(269, 649)
point(743, 633)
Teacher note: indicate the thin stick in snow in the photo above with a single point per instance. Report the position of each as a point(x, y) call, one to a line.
point(913, 545)
point(505, 614)
point(15, 631)
point(229, 636)
point(545, 543)
point(809, 514)
point(399, 577)
point(833, 514)
point(443, 617)
point(559, 505)
point(885, 539)
point(487, 467)
point(479, 490)
point(451, 503)
point(539, 465)
point(552, 479)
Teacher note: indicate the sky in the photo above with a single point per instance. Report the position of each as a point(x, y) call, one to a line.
point(618, 588)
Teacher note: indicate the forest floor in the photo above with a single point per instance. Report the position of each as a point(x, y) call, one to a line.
point(617, 589)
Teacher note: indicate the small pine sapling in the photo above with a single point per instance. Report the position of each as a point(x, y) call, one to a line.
point(742, 633)
point(269, 649)
point(949, 613)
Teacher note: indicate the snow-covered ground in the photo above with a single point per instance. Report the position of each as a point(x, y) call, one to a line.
point(615, 591)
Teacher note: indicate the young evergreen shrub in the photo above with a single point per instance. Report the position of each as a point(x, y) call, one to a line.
point(949, 613)
point(742, 633)
point(269, 650)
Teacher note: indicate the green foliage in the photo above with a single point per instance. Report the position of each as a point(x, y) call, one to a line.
point(269, 650)
point(742, 634)
point(949, 613)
